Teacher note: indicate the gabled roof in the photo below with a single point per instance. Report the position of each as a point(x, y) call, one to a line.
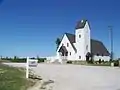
point(62, 49)
point(81, 24)
point(97, 47)
point(71, 38)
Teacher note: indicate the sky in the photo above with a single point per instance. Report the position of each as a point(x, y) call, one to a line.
point(30, 27)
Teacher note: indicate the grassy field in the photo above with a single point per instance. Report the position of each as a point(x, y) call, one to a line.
point(13, 79)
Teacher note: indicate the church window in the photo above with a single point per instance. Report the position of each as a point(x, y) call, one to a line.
point(79, 57)
point(97, 54)
point(67, 44)
point(79, 36)
point(70, 53)
point(87, 47)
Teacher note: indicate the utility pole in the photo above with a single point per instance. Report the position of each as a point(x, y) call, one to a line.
point(111, 41)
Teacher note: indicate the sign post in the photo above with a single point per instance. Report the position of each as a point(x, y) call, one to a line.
point(27, 68)
point(30, 63)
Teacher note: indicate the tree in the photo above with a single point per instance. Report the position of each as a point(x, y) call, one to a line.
point(58, 41)
point(15, 57)
point(1, 57)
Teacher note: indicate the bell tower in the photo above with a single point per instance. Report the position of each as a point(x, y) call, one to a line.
point(82, 38)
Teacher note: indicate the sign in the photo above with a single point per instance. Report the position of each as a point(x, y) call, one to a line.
point(30, 63)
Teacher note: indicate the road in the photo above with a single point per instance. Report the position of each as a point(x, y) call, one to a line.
point(79, 77)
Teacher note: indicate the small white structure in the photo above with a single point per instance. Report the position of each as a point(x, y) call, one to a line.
point(52, 59)
point(79, 46)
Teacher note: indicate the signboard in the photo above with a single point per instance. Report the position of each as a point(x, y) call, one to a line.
point(30, 63)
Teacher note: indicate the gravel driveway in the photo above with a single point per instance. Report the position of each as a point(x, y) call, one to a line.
point(77, 77)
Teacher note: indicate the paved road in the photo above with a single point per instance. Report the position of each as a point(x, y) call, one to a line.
point(77, 77)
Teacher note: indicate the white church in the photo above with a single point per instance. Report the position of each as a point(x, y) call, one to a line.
point(75, 47)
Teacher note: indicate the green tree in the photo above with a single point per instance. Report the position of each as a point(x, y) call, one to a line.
point(58, 41)
point(1, 57)
point(15, 57)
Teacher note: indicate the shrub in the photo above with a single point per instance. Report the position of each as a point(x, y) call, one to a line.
point(116, 63)
point(19, 60)
point(40, 60)
point(90, 61)
point(100, 61)
point(69, 62)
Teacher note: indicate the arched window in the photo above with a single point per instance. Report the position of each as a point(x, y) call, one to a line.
point(67, 44)
point(79, 36)
point(97, 54)
point(86, 47)
point(79, 57)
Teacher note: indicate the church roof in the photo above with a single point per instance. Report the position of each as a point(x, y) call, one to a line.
point(97, 47)
point(81, 24)
point(62, 49)
point(71, 38)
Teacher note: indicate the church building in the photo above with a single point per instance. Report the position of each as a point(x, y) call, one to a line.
point(79, 46)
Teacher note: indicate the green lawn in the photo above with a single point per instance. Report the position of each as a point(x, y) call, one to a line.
point(13, 79)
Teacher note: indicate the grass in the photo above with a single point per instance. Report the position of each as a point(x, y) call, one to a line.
point(108, 64)
point(88, 64)
point(13, 79)
point(20, 60)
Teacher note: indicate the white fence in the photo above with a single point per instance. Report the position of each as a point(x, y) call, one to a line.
point(60, 59)
point(51, 59)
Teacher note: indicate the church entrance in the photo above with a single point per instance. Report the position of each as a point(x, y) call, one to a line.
point(63, 53)
point(89, 57)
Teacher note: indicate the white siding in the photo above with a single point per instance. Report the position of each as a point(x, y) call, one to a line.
point(82, 42)
point(87, 38)
point(70, 48)
point(105, 58)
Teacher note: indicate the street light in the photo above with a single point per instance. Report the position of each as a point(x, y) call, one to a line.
point(111, 41)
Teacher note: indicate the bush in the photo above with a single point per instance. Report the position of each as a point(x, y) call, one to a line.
point(19, 60)
point(69, 62)
point(40, 60)
point(6, 58)
point(116, 63)
point(100, 61)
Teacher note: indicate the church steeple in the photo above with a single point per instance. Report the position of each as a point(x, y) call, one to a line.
point(82, 38)
point(81, 24)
